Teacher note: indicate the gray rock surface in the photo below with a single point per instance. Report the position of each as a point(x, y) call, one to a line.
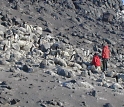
point(46, 49)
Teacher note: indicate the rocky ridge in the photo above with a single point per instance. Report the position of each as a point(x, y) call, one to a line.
point(28, 43)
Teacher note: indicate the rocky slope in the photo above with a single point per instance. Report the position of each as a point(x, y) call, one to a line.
point(35, 74)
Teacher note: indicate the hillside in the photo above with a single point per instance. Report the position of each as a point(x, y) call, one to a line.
point(46, 49)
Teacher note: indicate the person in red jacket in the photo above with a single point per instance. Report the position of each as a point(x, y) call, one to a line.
point(96, 61)
point(105, 56)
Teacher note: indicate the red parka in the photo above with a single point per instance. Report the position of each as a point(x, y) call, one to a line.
point(105, 52)
point(96, 60)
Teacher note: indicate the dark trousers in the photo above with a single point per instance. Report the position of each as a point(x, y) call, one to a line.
point(104, 63)
point(57, 53)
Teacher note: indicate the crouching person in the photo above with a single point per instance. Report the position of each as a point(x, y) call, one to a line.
point(96, 62)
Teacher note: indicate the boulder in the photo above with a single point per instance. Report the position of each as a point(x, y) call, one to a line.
point(93, 69)
point(2, 28)
point(108, 105)
point(110, 41)
point(22, 43)
point(65, 54)
point(1, 33)
point(27, 69)
point(51, 73)
point(50, 63)
point(27, 46)
point(43, 64)
point(49, 29)
point(55, 46)
point(29, 28)
point(2, 62)
point(121, 76)
point(61, 62)
point(105, 84)
point(44, 47)
point(77, 65)
point(108, 17)
point(17, 54)
point(84, 73)
point(16, 46)
point(69, 85)
point(85, 85)
point(110, 73)
point(116, 86)
point(38, 30)
point(65, 72)
point(22, 29)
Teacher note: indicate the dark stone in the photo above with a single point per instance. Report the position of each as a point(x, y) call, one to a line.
point(3, 18)
point(43, 64)
point(25, 68)
point(8, 87)
point(108, 17)
point(73, 81)
point(12, 70)
point(65, 41)
point(107, 105)
point(16, 21)
point(44, 47)
point(77, 6)
point(2, 62)
point(121, 8)
point(64, 72)
point(114, 51)
point(14, 101)
point(84, 103)
point(3, 83)
point(94, 93)
point(11, 1)
point(55, 46)
point(4, 23)
point(95, 48)
point(116, 77)
point(49, 29)
point(43, 105)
